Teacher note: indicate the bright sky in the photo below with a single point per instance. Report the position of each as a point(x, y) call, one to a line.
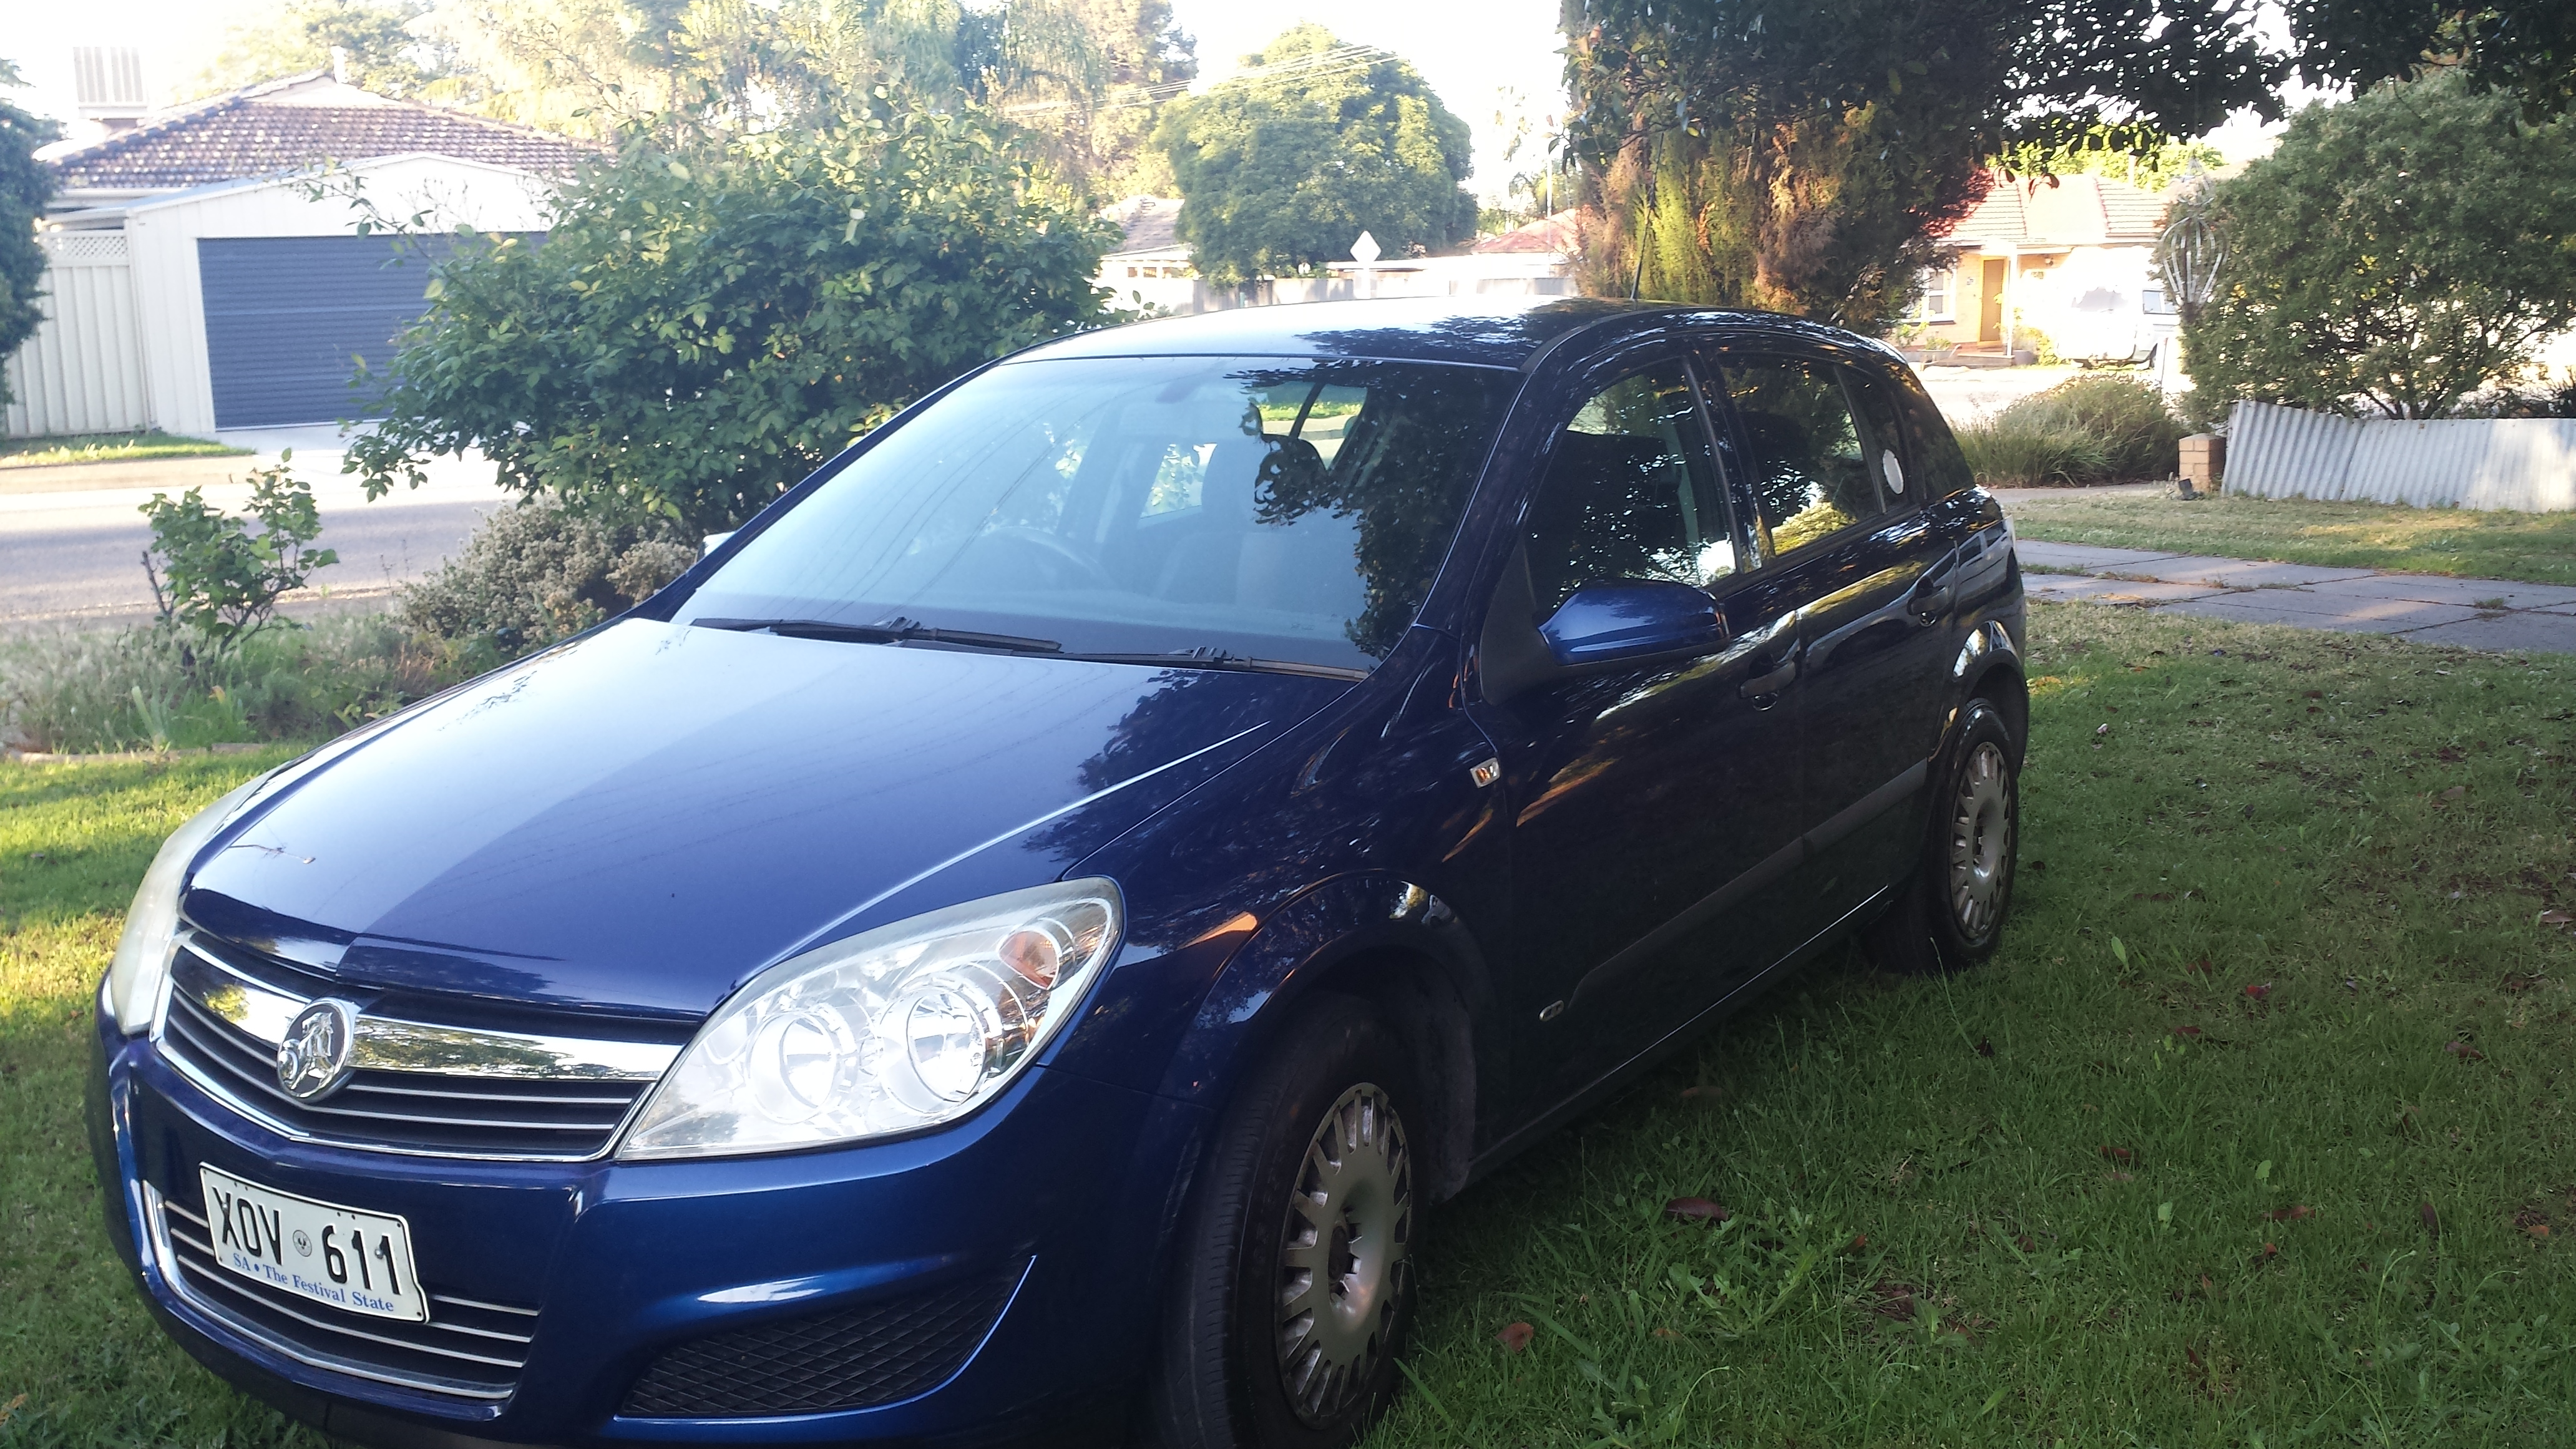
point(1482, 56)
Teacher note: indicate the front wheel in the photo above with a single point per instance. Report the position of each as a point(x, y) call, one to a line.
point(1296, 1284)
point(1951, 910)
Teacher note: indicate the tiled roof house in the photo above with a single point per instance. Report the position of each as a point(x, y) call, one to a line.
point(2067, 257)
point(290, 125)
point(197, 281)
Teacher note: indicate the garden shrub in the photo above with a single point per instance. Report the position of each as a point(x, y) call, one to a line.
point(148, 688)
point(544, 570)
point(217, 578)
point(2085, 430)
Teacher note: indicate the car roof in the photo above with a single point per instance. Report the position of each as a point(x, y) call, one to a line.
point(1483, 331)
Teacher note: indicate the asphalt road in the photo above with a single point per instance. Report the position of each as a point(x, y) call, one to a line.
point(72, 539)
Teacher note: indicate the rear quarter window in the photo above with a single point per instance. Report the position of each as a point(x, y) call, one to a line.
point(1937, 459)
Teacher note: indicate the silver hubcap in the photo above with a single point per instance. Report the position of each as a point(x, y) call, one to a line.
point(1342, 1257)
point(1981, 840)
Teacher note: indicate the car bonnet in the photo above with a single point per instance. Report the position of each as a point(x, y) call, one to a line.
point(642, 819)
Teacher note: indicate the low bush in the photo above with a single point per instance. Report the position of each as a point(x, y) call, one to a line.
point(2085, 430)
point(545, 570)
point(148, 688)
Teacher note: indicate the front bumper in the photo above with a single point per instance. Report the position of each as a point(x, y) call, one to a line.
point(1054, 1201)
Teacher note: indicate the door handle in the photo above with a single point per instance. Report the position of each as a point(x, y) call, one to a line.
point(1771, 683)
point(1931, 599)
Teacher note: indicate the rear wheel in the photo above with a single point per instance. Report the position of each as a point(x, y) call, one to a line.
point(1297, 1286)
point(1951, 911)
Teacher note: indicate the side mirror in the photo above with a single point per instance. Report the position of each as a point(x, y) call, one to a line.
point(1629, 619)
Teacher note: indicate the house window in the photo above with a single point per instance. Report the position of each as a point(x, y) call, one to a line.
point(1935, 304)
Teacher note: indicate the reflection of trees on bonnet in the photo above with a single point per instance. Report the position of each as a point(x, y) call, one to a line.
point(1403, 469)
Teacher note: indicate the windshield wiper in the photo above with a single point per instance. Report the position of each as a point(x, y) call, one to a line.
point(896, 630)
point(1204, 657)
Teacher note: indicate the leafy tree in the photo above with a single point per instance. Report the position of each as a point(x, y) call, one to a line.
point(708, 322)
point(25, 185)
point(2527, 46)
point(2395, 254)
point(215, 576)
point(2138, 155)
point(375, 38)
point(1802, 158)
point(1082, 80)
point(1281, 172)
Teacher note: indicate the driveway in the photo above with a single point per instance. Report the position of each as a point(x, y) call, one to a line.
point(72, 538)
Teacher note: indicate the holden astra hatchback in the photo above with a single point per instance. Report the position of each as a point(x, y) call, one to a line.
point(1011, 944)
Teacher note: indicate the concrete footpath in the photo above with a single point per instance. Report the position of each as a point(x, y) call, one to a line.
point(2490, 614)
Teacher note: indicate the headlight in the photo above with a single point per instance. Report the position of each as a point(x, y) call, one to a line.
point(897, 1029)
point(132, 991)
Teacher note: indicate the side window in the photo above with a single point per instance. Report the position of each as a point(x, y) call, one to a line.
point(1935, 452)
point(1631, 493)
point(1812, 473)
point(1882, 439)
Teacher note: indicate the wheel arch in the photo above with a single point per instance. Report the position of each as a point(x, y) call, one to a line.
point(1381, 940)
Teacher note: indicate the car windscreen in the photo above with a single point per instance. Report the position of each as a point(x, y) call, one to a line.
point(1274, 508)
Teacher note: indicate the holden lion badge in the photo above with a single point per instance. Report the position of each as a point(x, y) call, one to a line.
point(313, 1060)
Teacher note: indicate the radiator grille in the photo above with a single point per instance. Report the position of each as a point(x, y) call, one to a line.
point(523, 1114)
point(468, 1349)
point(856, 1358)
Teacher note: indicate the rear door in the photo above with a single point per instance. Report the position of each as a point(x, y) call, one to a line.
point(1843, 530)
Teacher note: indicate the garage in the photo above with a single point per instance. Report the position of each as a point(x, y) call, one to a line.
point(290, 318)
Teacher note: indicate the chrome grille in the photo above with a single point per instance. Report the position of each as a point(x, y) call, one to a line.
point(417, 1087)
point(468, 1348)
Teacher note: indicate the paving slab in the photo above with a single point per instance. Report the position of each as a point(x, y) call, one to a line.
point(2517, 633)
point(2240, 573)
point(2441, 589)
point(2267, 606)
point(2082, 557)
point(2097, 589)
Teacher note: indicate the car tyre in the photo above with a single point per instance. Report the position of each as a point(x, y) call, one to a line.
point(1295, 1283)
point(1951, 910)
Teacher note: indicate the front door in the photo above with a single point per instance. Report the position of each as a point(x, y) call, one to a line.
point(1652, 804)
point(1990, 302)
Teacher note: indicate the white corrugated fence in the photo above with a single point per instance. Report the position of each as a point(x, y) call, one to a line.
point(2525, 465)
point(82, 371)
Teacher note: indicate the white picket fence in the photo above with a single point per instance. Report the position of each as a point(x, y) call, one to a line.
point(2523, 465)
point(82, 371)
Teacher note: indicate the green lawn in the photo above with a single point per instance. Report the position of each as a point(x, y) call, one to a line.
point(2536, 548)
point(2095, 1192)
point(109, 448)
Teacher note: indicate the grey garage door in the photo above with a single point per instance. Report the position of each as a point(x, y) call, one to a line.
point(288, 317)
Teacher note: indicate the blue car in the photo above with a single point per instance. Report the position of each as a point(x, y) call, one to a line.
point(1010, 945)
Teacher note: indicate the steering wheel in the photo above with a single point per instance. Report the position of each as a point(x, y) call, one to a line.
point(1054, 547)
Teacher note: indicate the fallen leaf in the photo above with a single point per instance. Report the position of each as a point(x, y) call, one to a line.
point(2558, 918)
point(2271, 1250)
point(1985, 1048)
point(1859, 1241)
point(1695, 1210)
point(2102, 730)
point(2186, 1031)
point(2118, 1154)
point(2517, 982)
point(2259, 992)
point(2538, 1230)
point(2290, 1214)
point(2202, 967)
point(2464, 1051)
point(2432, 1219)
point(1515, 1337)
point(1895, 1300)
point(2456, 792)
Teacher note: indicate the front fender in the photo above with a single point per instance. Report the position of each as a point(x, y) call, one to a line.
point(1372, 934)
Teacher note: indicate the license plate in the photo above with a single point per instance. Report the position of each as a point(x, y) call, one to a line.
point(359, 1261)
